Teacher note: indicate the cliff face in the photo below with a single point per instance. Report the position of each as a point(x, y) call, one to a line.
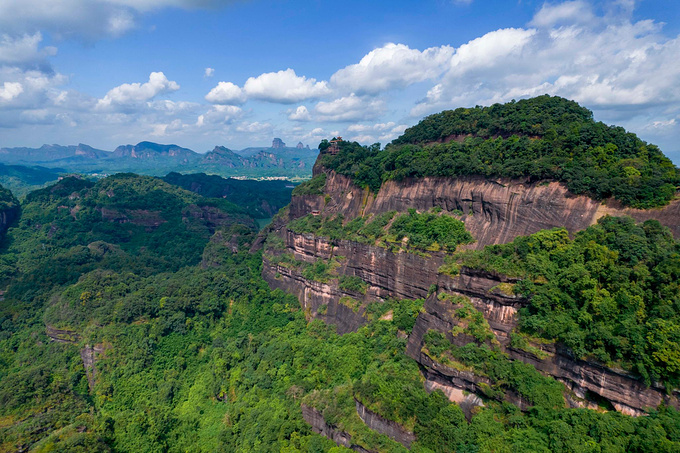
point(495, 212)
point(8, 216)
point(625, 392)
point(401, 275)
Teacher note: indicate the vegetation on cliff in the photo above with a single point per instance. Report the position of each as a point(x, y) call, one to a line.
point(205, 357)
point(610, 294)
point(427, 231)
point(543, 138)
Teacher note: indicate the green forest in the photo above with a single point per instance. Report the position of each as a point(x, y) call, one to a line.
point(537, 139)
point(195, 353)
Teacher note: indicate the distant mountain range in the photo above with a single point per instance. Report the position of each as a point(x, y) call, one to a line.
point(158, 159)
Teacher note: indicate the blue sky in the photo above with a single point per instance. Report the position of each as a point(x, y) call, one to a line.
point(201, 73)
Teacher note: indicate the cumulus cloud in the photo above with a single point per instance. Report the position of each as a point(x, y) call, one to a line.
point(209, 72)
point(350, 108)
point(219, 115)
point(284, 87)
point(370, 133)
point(10, 90)
point(392, 66)
point(605, 62)
point(299, 114)
point(24, 51)
point(135, 93)
point(226, 93)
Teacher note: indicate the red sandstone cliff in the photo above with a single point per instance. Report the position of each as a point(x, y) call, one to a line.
point(494, 212)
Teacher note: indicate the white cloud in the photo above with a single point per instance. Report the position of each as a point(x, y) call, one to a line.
point(299, 114)
point(490, 50)
point(135, 93)
point(209, 72)
point(603, 62)
point(392, 66)
point(10, 90)
point(317, 134)
point(350, 108)
point(88, 19)
point(23, 50)
point(219, 115)
point(284, 87)
point(663, 124)
point(568, 12)
point(226, 93)
point(370, 133)
point(255, 127)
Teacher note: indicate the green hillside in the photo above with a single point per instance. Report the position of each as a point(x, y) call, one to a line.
point(543, 138)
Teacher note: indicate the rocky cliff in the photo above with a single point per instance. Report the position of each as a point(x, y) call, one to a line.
point(494, 212)
point(583, 379)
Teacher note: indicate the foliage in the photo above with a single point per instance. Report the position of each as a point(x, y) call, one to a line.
point(543, 138)
point(611, 294)
point(209, 358)
point(504, 374)
point(260, 199)
point(312, 187)
point(353, 284)
point(427, 231)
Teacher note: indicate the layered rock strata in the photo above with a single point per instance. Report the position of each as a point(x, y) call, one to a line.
point(625, 392)
point(494, 211)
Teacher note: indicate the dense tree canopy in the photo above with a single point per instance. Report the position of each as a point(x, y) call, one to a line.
point(543, 138)
point(611, 294)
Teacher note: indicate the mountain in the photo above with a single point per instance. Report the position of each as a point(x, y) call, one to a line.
point(429, 312)
point(485, 215)
point(155, 151)
point(22, 179)
point(224, 157)
point(158, 159)
point(262, 199)
point(49, 153)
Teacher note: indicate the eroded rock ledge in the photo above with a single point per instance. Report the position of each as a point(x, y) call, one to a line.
point(495, 211)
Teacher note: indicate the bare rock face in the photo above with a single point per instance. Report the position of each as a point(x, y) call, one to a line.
point(495, 211)
point(319, 425)
point(387, 427)
point(7, 217)
point(625, 392)
point(88, 354)
point(388, 274)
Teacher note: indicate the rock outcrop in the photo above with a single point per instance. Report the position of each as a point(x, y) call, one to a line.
point(389, 428)
point(319, 425)
point(88, 354)
point(625, 392)
point(495, 211)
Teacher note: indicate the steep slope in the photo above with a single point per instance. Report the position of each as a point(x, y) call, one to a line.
point(337, 249)
point(9, 209)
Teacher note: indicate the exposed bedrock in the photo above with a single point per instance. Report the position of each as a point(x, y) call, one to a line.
point(380, 424)
point(625, 392)
point(319, 425)
point(495, 211)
